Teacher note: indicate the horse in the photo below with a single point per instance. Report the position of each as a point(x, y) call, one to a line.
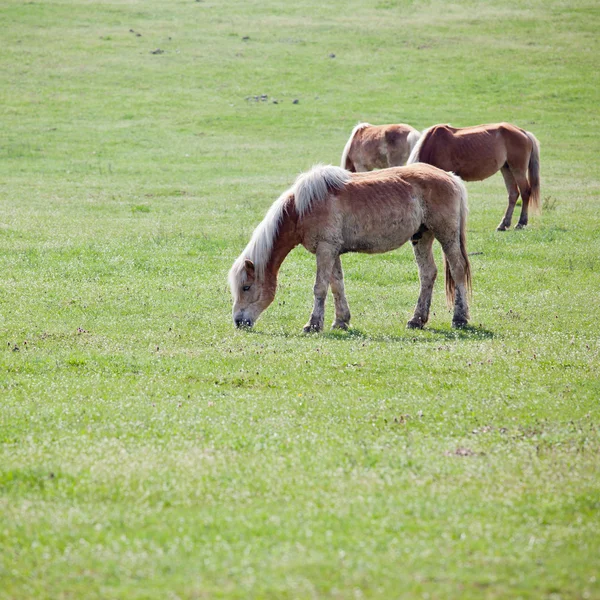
point(476, 153)
point(378, 147)
point(330, 211)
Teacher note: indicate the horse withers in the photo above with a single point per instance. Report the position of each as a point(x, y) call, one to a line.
point(476, 153)
point(378, 147)
point(331, 211)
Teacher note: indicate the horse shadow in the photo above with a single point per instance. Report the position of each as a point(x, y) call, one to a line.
point(468, 333)
point(423, 336)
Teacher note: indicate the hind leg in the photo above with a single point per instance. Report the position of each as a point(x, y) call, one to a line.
point(326, 255)
point(525, 190)
point(423, 249)
point(342, 310)
point(513, 195)
point(457, 265)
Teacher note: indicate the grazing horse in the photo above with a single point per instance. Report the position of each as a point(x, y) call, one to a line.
point(378, 147)
point(476, 153)
point(331, 211)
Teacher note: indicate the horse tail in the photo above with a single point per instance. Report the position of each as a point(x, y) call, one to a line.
point(534, 173)
point(346, 161)
point(415, 155)
point(463, 213)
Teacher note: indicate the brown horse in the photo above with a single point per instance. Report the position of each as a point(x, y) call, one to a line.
point(330, 211)
point(378, 147)
point(476, 153)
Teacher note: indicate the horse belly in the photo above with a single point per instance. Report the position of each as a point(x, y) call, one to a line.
point(379, 237)
point(478, 171)
point(477, 162)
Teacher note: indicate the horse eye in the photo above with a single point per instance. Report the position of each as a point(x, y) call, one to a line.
point(246, 288)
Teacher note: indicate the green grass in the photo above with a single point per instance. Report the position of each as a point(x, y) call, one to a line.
point(150, 450)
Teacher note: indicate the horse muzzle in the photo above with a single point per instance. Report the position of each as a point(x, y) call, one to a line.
point(242, 322)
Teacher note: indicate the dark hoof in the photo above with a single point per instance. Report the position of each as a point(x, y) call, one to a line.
point(502, 227)
point(459, 324)
point(521, 225)
point(340, 325)
point(312, 328)
point(415, 324)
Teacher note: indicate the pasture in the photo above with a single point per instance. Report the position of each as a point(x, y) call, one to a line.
point(148, 449)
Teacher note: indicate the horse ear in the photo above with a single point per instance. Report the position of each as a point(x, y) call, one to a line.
point(249, 265)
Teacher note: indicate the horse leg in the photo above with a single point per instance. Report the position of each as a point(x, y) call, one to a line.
point(326, 256)
point(525, 190)
point(423, 249)
point(458, 270)
point(513, 195)
point(342, 310)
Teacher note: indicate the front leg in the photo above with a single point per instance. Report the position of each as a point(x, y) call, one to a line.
point(342, 310)
point(326, 256)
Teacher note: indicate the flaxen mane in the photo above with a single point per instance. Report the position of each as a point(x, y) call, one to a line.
point(314, 185)
point(310, 187)
point(349, 142)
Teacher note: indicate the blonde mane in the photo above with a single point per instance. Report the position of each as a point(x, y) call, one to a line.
point(315, 185)
point(349, 142)
point(310, 187)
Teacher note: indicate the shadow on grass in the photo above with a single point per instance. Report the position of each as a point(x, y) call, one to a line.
point(426, 335)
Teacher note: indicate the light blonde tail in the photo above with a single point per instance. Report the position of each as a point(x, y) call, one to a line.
point(464, 211)
point(449, 284)
point(534, 174)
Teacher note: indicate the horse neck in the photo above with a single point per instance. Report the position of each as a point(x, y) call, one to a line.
point(285, 241)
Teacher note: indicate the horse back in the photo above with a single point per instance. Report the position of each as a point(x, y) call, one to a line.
point(375, 212)
point(381, 146)
point(473, 153)
point(396, 134)
point(379, 211)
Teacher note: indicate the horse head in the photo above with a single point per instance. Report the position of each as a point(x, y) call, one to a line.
point(252, 292)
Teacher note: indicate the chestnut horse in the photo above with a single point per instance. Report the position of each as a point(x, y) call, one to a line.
point(378, 147)
point(476, 153)
point(331, 211)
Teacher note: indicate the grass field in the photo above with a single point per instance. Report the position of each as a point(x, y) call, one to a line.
point(150, 450)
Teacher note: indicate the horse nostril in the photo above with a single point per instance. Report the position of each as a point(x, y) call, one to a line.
point(241, 322)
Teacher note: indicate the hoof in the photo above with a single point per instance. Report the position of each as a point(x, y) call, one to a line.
point(415, 324)
point(459, 324)
point(520, 225)
point(340, 325)
point(310, 328)
point(502, 227)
